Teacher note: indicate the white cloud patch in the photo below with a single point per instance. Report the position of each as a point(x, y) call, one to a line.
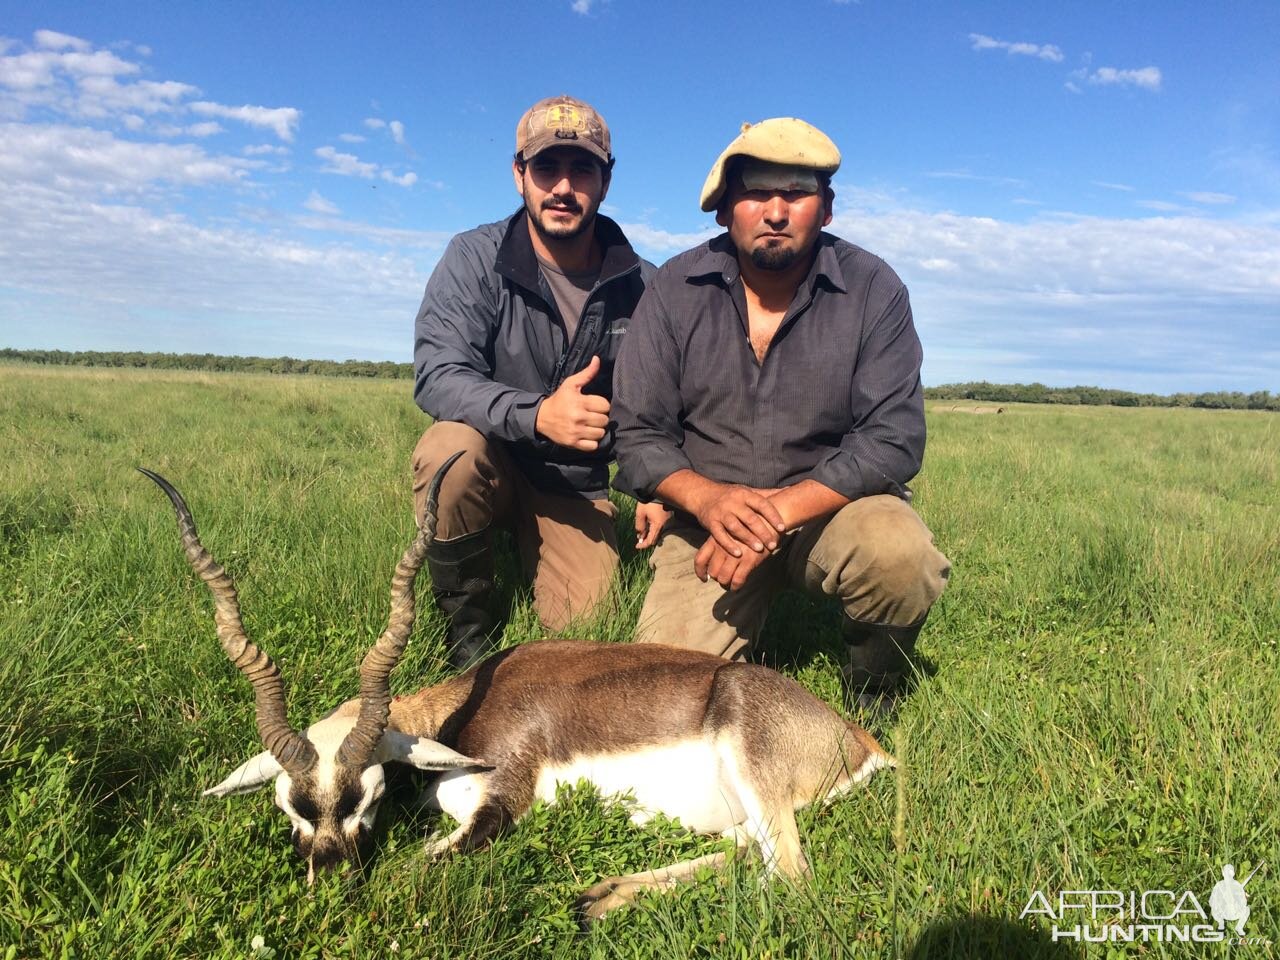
point(349, 165)
point(1146, 78)
point(52, 40)
point(374, 123)
point(1208, 197)
point(397, 131)
point(1161, 206)
point(979, 177)
point(206, 129)
point(1123, 187)
point(1154, 290)
point(351, 138)
point(318, 204)
point(582, 7)
point(236, 290)
point(663, 243)
point(1042, 51)
point(345, 164)
point(98, 159)
point(67, 76)
point(265, 149)
point(86, 162)
point(282, 120)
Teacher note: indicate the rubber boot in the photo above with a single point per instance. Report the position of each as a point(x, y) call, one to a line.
point(877, 659)
point(462, 582)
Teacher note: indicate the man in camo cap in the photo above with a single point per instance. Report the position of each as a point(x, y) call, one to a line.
point(769, 391)
point(514, 350)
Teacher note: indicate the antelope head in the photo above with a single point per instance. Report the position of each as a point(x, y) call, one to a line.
point(328, 778)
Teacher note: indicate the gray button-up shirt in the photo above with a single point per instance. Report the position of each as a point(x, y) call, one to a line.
point(837, 398)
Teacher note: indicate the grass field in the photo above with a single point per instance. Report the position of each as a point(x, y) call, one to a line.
point(1099, 707)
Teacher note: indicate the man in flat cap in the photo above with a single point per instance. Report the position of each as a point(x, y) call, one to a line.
point(514, 349)
point(769, 391)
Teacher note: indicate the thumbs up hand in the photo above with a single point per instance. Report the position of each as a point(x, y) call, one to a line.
point(572, 418)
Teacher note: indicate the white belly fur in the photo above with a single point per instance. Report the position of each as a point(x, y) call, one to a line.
point(683, 781)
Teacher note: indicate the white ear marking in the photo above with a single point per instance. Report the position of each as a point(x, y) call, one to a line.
point(250, 775)
point(421, 752)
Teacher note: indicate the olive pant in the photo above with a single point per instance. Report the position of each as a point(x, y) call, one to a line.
point(874, 555)
point(568, 546)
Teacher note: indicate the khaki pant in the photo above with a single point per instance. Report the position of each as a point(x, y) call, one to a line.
point(568, 546)
point(874, 555)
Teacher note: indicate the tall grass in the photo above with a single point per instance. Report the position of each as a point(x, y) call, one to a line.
point(1097, 708)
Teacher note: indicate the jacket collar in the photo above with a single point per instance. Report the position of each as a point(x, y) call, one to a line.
point(518, 263)
point(719, 257)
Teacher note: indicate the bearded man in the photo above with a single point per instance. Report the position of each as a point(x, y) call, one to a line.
point(514, 350)
point(769, 391)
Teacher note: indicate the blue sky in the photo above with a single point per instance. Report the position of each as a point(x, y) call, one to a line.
point(1073, 193)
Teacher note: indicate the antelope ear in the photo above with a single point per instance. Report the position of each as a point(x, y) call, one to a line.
point(420, 752)
point(250, 775)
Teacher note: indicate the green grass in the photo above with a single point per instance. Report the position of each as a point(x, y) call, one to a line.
point(1098, 708)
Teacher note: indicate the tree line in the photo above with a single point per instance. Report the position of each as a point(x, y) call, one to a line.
point(387, 370)
point(378, 369)
point(1099, 396)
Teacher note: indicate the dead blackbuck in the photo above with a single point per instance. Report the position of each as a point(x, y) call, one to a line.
point(726, 748)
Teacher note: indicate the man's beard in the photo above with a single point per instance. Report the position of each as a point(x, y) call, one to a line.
point(773, 257)
point(558, 231)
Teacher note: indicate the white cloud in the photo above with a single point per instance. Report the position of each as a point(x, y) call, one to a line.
point(581, 6)
point(374, 123)
point(346, 164)
point(1045, 295)
point(1208, 197)
point(396, 237)
point(1046, 51)
point(1124, 187)
point(88, 162)
point(397, 131)
point(318, 204)
point(36, 70)
point(351, 138)
point(983, 178)
point(265, 149)
point(656, 242)
point(52, 40)
point(206, 129)
point(101, 97)
point(238, 291)
point(1162, 206)
point(282, 120)
point(407, 180)
point(1148, 78)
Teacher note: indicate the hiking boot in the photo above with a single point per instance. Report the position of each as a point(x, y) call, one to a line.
point(462, 583)
point(876, 663)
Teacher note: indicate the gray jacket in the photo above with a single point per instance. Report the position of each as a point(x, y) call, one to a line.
point(490, 345)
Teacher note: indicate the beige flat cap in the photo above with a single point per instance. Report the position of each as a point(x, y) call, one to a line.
point(783, 140)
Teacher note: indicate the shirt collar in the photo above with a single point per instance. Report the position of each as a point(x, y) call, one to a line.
point(719, 257)
point(517, 261)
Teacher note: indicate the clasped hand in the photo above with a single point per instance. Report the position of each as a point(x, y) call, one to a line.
point(744, 527)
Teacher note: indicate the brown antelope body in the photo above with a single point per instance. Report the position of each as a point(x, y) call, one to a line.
point(726, 748)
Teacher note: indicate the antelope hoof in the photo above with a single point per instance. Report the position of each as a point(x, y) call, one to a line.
point(596, 901)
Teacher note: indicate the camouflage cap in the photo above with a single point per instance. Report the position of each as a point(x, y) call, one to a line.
point(562, 122)
point(782, 140)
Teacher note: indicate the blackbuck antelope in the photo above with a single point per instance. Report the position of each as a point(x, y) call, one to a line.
point(726, 748)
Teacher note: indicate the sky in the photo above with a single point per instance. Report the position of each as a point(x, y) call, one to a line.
point(1073, 193)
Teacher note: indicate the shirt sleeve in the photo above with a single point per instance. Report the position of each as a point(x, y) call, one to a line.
point(453, 352)
point(885, 447)
point(646, 400)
